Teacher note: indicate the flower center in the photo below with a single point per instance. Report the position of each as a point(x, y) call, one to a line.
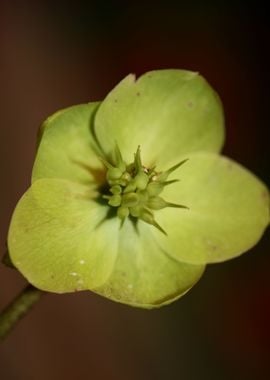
point(134, 190)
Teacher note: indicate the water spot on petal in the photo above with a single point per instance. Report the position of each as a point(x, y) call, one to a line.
point(80, 283)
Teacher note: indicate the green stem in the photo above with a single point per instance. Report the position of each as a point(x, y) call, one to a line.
point(17, 309)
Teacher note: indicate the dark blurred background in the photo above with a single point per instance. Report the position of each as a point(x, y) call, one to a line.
point(56, 54)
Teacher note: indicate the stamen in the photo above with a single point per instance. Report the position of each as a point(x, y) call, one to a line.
point(141, 180)
point(130, 199)
point(115, 200)
point(123, 212)
point(116, 189)
point(135, 189)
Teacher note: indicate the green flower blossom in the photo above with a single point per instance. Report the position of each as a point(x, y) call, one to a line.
point(129, 197)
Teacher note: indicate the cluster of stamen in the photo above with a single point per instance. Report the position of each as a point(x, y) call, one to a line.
point(135, 190)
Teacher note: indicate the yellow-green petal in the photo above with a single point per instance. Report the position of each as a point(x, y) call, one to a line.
point(169, 113)
point(67, 147)
point(144, 275)
point(61, 242)
point(57, 239)
point(228, 210)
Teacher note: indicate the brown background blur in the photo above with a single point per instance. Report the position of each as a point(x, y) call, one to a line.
point(55, 54)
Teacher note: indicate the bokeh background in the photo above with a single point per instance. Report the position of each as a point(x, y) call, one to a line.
point(56, 54)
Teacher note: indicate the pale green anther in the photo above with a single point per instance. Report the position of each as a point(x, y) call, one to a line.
point(126, 177)
point(135, 211)
point(157, 203)
point(147, 216)
point(131, 187)
point(116, 189)
point(130, 200)
point(115, 200)
point(143, 195)
point(154, 188)
point(114, 182)
point(141, 180)
point(113, 174)
point(122, 212)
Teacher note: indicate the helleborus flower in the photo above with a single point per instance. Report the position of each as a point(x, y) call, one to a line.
point(129, 197)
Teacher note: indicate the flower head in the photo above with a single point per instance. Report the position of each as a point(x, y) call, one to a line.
point(129, 197)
